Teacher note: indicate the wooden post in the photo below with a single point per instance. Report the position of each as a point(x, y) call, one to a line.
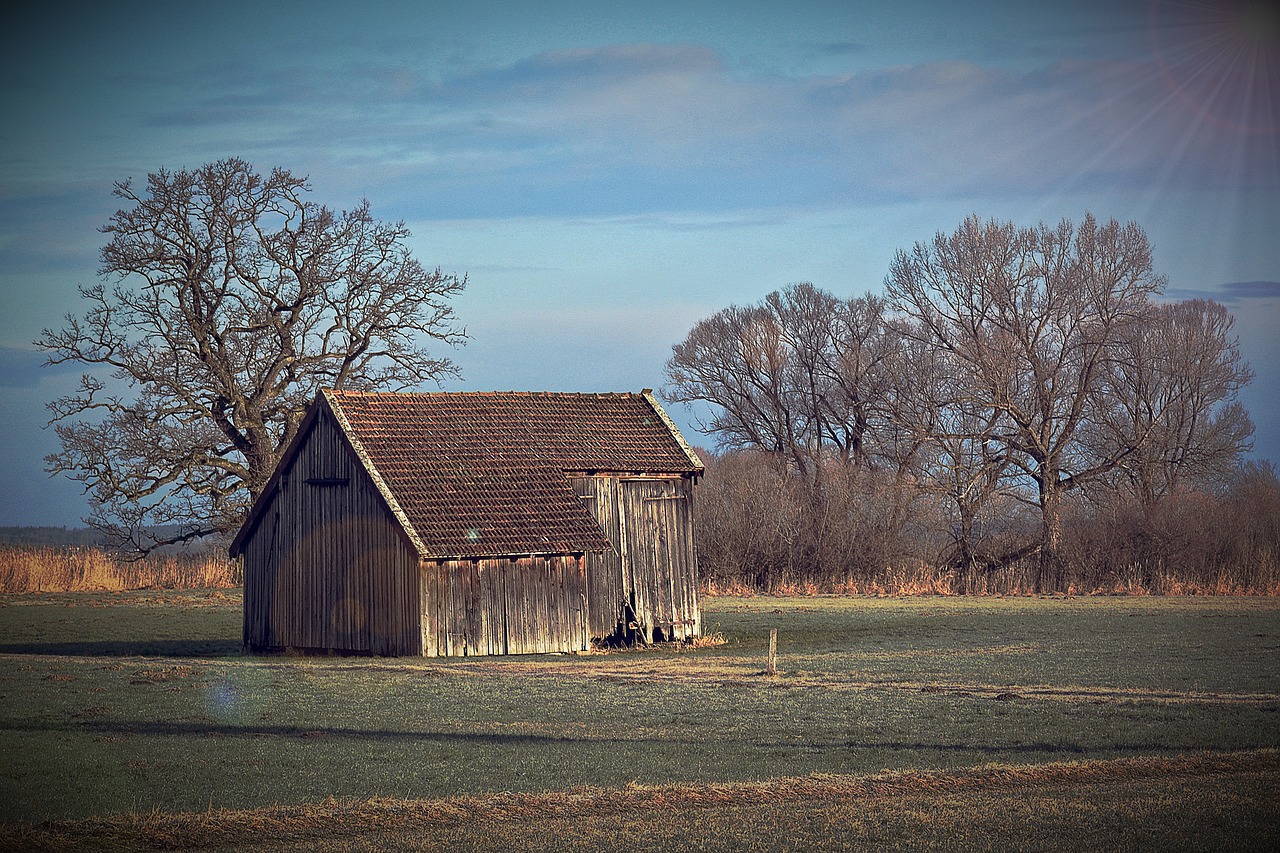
point(773, 651)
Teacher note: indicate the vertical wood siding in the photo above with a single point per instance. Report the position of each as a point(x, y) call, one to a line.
point(659, 556)
point(608, 591)
point(327, 568)
point(504, 606)
point(652, 569)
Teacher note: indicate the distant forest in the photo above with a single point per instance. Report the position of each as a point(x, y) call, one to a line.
point(85, 537)
point(1022, 411)
point(50, 537)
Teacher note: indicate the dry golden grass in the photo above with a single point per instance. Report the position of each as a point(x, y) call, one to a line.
point(715, 638)
point(929, 580)
point(334, 820)
point(85, 569)
point(36, 569)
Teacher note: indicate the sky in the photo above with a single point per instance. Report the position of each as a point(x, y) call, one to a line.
point(607, 174)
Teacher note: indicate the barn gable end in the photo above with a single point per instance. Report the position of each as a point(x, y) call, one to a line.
point(328, 566)
point(463, 524)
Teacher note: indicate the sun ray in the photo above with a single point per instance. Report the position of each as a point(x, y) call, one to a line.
point(1222, 60)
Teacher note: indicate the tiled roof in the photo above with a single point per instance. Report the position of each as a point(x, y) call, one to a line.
point(483, 474)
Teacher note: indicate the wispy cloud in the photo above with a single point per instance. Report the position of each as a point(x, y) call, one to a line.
point(1232, 293)
point(627, 117)
point(1242, 290)
point(640, 128)
point(21, 367)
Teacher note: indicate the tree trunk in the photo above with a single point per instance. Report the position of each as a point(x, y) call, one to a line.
point(1050, 574)
point(965, 561)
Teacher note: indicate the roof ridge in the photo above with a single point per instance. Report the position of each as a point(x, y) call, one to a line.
point(492, 393)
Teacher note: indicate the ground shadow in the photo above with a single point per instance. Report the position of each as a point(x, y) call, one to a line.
point(262, 729)
point(129, 648)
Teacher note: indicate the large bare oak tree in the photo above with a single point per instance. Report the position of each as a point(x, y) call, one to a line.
point(1034, 320)
point(233, 298)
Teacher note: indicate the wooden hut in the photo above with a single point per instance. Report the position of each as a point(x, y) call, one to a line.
point(473, 524)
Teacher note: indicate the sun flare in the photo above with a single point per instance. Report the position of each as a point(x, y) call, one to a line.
point(1221, 59)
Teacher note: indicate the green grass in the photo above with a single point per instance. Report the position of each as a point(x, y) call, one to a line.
point(132, 702)
point(1203, 802)
point(195, 623)
point(1186, 644)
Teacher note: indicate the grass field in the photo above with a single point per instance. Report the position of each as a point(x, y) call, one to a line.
point(1036, 723)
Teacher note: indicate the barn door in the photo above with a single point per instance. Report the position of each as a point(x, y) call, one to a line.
point(657, 564)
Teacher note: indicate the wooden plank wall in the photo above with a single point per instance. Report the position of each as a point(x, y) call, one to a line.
point(649, 520)
point(658, 556)
point(327, 568)
point(608, 590)
point(501, 606)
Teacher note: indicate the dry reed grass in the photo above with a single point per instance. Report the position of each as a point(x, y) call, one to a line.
point(86, 569)
point(36, 569)
point(928, 580)
point(716, 638)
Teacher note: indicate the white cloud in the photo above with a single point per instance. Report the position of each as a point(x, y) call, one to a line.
point(645, 115)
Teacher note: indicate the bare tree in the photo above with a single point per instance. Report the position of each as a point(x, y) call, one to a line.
point(1172, 401)
point(840, 356)
point(801, 375)
point(1032, 317)
point(235, 299)
point(806, 378)
point(957, 452)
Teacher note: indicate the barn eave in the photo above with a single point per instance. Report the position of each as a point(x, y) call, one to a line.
point(379, 483)
point(323, 403)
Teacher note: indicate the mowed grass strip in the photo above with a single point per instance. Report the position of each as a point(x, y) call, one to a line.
point(1225, 801)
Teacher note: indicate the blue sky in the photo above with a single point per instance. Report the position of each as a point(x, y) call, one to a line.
point(607, 174)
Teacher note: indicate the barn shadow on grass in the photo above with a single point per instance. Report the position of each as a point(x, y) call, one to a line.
point(333, 734)
point(129, 648)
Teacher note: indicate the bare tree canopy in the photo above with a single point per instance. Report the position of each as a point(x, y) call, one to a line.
point(802, 374)
point(1172, 401)
point(1052, 331)
point(233, 300)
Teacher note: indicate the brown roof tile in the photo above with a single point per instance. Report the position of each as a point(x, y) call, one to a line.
point(483, 474)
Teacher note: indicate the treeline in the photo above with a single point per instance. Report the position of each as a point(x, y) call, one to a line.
point(88, 537)
point(759, 529)
point(50, 536)
point(1019, 412)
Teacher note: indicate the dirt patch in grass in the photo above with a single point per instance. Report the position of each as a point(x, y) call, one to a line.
point(617, 668)
point(1095, 695)
point(345, 823)
point(155, 674)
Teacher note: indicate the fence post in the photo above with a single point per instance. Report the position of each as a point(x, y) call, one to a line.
point(773, 651)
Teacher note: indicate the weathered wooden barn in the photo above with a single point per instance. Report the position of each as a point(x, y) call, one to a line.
point(473, 524)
